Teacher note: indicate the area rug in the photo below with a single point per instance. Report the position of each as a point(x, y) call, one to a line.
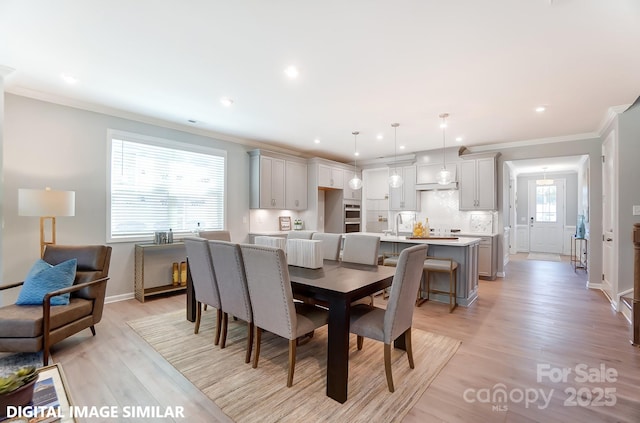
point(543, 256)
point(260, 395)
point(10, 362)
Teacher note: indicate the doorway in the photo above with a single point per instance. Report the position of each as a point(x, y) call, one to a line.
point(609, 276)
point(546, 215)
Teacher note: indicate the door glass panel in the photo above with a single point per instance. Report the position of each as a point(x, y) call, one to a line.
point(546, 206)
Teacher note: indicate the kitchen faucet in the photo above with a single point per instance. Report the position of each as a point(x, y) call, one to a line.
point(398, 218)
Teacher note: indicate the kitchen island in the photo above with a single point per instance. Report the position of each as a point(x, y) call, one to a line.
point(464, 250)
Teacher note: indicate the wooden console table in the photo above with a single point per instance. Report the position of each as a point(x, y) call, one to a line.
point(141, 251)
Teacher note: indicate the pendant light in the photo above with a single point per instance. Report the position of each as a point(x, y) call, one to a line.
point(395, 180)
point(355, 183)
point(444, 176)
point(544, 180)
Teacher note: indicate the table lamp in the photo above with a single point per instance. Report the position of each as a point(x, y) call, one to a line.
point(46, 204)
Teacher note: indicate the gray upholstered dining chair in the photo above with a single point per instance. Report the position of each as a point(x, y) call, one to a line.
point(300, 234)
point(388, 325)
point(232, 286)
point(331, 244)
point(272, 300)
point(204, 280)
point(215, 235)
point(361, 249)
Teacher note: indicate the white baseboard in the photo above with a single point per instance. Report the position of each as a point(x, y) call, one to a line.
point(121, 297)
point(626, 312)
point(501, 274)
point(594, 285)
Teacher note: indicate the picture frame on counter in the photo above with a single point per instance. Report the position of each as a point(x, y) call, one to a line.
point(284, 223)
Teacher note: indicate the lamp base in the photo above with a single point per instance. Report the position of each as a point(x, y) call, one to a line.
point(43, 242)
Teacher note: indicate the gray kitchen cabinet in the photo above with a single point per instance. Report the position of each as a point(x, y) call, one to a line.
point(478, 184)
point(277, 182)
point(405, 197)
point(348, 193)
point(330, 177)
point(487, 253)
point(295, 185)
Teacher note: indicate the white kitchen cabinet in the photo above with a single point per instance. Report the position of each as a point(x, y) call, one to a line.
point(478, 184)
point(295, 185)
point(330, 177)
point(404, 197)
point(348, 193)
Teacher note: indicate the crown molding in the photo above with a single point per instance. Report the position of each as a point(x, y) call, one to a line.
point(532, 142)
point(612, 113)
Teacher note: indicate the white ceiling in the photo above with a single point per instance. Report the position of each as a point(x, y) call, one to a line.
point(363, 65)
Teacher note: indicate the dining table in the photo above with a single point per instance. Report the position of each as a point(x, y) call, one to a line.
point(338, 284)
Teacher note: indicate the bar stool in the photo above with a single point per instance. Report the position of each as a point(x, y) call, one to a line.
point(442, 265)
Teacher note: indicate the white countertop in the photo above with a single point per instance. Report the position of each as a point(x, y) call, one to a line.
point(459, 242)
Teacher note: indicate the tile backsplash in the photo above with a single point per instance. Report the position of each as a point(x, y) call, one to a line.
point(441, 208)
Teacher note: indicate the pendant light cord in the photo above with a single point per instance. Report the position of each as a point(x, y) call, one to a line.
point(444, 127)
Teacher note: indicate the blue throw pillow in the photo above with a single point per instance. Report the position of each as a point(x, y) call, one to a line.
point(44, 278)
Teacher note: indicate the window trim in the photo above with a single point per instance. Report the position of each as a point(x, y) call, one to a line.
point(159, 142)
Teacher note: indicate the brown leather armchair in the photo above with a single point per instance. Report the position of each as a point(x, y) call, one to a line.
point(33, 328)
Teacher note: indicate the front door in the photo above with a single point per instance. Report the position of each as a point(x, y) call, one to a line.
point(546, 216)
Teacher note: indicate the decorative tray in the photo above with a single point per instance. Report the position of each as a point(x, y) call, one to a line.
point(432, 237)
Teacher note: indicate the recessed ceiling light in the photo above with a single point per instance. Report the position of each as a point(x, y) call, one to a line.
point(291, 72)
point(401, 147)
point(226, 101)
point(356, 154)
point(69, 79)
point(379, 136)
point(540, 109)
point(459, 139)
point(317, 141)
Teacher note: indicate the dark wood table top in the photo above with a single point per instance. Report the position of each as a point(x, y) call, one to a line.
point(339, 278)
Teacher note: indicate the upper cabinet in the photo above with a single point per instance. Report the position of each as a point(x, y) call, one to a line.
point(348, 193)
point(295, 185)
point(478, 184)
point(405, 197)
point(276, 182)
point(330, 177)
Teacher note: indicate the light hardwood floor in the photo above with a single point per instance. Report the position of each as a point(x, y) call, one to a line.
point(539, 314)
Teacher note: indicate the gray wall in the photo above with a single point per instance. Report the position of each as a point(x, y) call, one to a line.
point(628, 191)
point(65, 148)
point(571, 206)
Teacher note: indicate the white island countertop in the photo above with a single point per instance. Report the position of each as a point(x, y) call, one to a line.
point(462, 241)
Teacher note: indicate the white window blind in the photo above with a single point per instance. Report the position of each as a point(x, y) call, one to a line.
point(157, 187)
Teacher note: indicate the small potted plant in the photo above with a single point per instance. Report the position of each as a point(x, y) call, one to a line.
point(297, 224)
point(17, 388)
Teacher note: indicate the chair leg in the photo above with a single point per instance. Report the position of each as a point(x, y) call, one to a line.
point(225, 322)
point(45, 355)
point(196, 329)
point(93, 330)
point(387, 366)
point(218, 328)
point(292, 361)
point(247, 358)
point(453, 287)
point(419, 299)
point(360, 340)
point(407, 344)
point(257, 353)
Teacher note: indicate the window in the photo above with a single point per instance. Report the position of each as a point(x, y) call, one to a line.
point(157, 185)
point(546, 197)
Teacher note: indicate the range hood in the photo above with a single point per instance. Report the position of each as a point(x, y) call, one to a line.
point(434, 186)
point(427, 177)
